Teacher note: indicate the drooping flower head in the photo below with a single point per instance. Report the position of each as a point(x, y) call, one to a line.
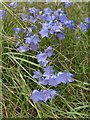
point(49, 51)
point(63, 18)
point(48, 71)
point(33, 19)
point(38, 96)
point(87, 20)
point(13, 4)
point(37, 74)
point(41, 57)
point(17, 30)
point(61, 35)
point(24, 17)
point(65, 77)
point(43, 96)
point(83, 26)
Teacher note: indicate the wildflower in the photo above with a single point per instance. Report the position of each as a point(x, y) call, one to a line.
point(50, 24)
point(47, 11)
point(65, 77)
point(34, 27)
point(33, 11)
point(83, 26)
point(53, 81)
point(51, 31)
point(37, 74)
point(24, 17)
point(43, 81)
point(43, 96)
point(33, 19)
point(43, 63)
point(32, 39)
point(38, 96)
point(29, 31)
point(2, 14)
point(17, 30)
point(28, 40)
point(49, 51)
point(58, 12)
point(67, 3)
point(61, 35)
point(56, 27)
point(13, 4)
point(69, 76)
point(41, 57)
point(44, 32)
point(63, 18)
point(45, 25)
point(48, 71)
point(70, 24)
point(87, 20)
point(34, 47)
point(49, 94)
point(46, 17)
point(23, 48)
point(35, 39)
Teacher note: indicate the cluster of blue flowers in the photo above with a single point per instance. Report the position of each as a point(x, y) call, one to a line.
point(48, 78)
point(52, 23)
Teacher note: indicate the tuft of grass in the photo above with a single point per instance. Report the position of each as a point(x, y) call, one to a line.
point(73, 100)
